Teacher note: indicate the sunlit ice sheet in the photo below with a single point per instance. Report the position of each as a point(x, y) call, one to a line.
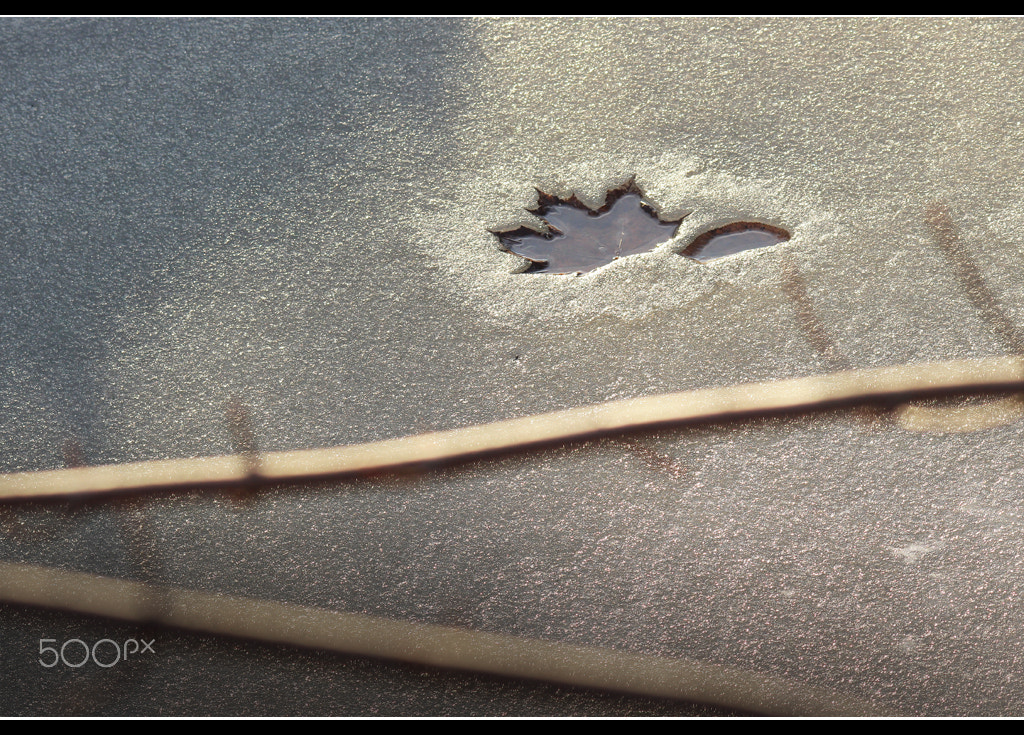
point(297, 213)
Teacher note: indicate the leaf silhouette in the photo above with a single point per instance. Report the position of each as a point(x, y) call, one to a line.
point(580, 239)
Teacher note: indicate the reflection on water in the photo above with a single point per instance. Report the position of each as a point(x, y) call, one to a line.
point(734, 238)
point(581, 239)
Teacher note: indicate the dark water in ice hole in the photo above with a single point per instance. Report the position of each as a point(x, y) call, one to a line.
point(581, 239)
point(734, 238)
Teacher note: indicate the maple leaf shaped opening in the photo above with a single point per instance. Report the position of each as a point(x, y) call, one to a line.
point(580, 239)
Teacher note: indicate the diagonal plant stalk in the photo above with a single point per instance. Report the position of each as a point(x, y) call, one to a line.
point(850, 387)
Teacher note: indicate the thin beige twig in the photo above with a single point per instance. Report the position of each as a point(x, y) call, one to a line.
point(416, 643)
point(445, 447)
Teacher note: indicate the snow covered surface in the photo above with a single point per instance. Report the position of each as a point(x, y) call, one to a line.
point(295, 212)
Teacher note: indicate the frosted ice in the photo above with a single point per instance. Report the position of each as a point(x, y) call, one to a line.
point(295, 212)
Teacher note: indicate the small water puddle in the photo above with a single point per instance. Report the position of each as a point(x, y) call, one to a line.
point(733, 238)
point(580, 239)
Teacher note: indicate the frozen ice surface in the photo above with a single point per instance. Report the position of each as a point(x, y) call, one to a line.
point(296, 212)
